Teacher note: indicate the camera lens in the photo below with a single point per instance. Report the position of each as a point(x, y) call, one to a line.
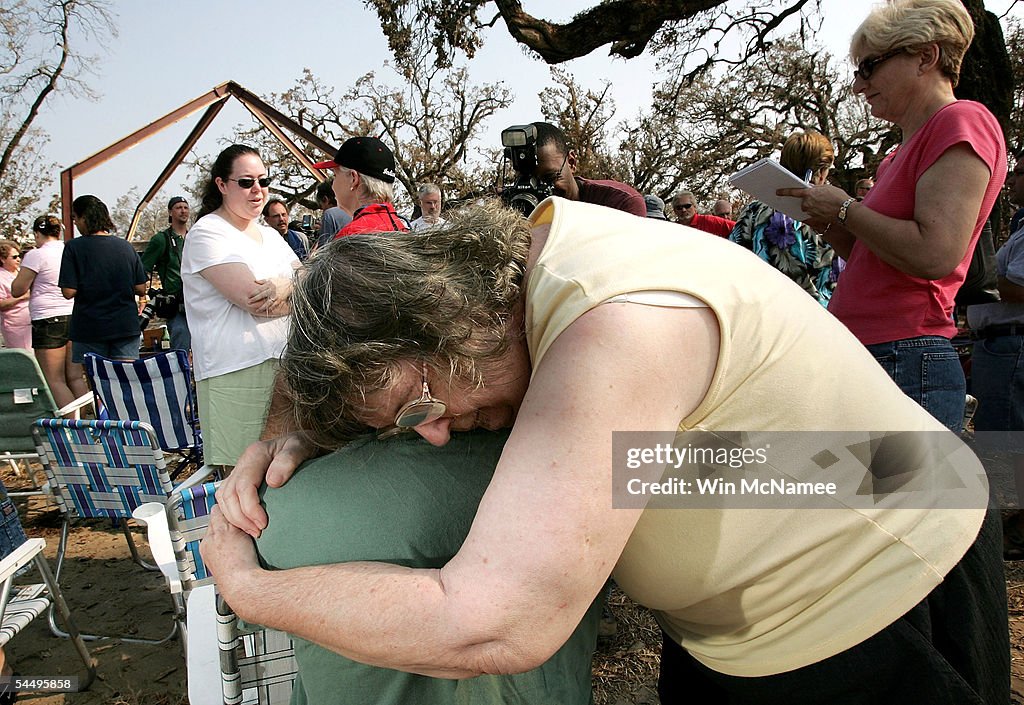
point(146, 316)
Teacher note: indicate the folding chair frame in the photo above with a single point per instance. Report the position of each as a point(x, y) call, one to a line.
point(102, 469)
point(32, 552)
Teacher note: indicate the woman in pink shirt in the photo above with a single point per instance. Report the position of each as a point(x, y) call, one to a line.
point(50, 311)
point(909, 242)
point(14, 320)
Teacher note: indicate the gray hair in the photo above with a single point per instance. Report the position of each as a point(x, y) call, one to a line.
point(423, 189)
point(373, 190)
point(367, 303)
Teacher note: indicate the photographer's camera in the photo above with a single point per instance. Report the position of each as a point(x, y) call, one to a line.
point(523, 195)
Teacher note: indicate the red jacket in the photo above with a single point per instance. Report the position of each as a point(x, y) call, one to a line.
point(374, 218)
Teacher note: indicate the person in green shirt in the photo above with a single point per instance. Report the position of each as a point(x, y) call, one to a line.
point(163, 255)
point(405, 502)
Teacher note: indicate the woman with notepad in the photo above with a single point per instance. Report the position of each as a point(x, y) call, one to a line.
point(908, 244)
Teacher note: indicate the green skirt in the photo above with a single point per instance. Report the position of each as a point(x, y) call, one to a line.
point(232, 409)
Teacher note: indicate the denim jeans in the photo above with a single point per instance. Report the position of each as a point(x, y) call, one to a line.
point(928, 371)
point(997, 380)
point(177, 329)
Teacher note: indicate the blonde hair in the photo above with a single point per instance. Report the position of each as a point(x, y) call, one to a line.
point(807, 150)
point(912, 25)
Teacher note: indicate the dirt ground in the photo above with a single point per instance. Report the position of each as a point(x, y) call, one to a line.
point(108, 592)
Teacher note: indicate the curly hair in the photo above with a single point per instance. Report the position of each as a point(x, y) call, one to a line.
point(912, 24)
point(369, 302)
point(222, 165)
point(5, 248)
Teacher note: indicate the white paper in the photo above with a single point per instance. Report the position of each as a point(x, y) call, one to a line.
point(23, 396)
point(763, 178)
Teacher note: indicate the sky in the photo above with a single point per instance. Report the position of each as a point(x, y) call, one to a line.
point(166, 54)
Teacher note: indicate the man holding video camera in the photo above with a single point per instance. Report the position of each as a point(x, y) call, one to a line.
point(556, 165)
point(163, 255)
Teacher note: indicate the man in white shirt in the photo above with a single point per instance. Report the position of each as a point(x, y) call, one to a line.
point(429, 196)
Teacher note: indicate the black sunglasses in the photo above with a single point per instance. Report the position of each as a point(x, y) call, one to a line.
point(867, 67)
point(682, 206)
point(248, 181)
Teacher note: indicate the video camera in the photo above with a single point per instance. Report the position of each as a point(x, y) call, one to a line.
point(520, 143)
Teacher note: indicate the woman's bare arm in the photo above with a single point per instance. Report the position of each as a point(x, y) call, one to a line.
point(268, 298)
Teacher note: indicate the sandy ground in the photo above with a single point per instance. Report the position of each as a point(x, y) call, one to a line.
point(108, 592)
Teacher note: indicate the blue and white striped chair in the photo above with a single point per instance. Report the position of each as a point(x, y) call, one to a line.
point(227, 662)
point(157, 390)
point(102, 469)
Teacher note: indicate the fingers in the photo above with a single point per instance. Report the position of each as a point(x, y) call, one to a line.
point(292, 453)
point(238, 496)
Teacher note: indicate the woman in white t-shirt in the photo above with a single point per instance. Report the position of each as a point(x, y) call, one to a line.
point(236, 277)
point(50, 311)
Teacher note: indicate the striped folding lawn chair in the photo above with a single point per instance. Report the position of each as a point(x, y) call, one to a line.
point(157, 390)
point(257, 665)
point(174, 530)
point(20, 604)
point(102, 469)
point(227, 662)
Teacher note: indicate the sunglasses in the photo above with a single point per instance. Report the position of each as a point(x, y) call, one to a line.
point(682, 206)
point(248, 181)
point(13, 256)
point(422, 410)
point(867, 67)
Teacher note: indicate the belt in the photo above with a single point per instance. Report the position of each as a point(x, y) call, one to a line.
point(998, 331)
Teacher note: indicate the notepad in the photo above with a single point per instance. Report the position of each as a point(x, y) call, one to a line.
point(763, 178)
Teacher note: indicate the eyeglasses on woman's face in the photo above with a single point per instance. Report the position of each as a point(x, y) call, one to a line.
point(247, 182)
point(866, 68)
point(14, 256)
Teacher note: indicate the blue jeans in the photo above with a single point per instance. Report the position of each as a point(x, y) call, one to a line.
point(119, 349)
point(177, 328)
point(997, 380)
point(928, 371)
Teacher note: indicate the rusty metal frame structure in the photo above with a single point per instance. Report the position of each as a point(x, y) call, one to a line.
point(268, 116)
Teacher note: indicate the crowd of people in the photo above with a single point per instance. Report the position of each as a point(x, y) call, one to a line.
point(472, 567)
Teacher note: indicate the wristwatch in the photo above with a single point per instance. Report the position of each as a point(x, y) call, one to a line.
point(841, 215)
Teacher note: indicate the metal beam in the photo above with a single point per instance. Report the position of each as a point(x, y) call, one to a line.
point(91, 162)
point(214, 100)
point(280, 118)
point(175, 161)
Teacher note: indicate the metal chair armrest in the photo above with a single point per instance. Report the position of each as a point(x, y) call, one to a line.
point(197, 478)
point(19, 557)
point(73, 409)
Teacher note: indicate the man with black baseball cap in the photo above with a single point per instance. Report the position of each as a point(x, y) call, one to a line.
point(364, 169)
point(163, 254)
